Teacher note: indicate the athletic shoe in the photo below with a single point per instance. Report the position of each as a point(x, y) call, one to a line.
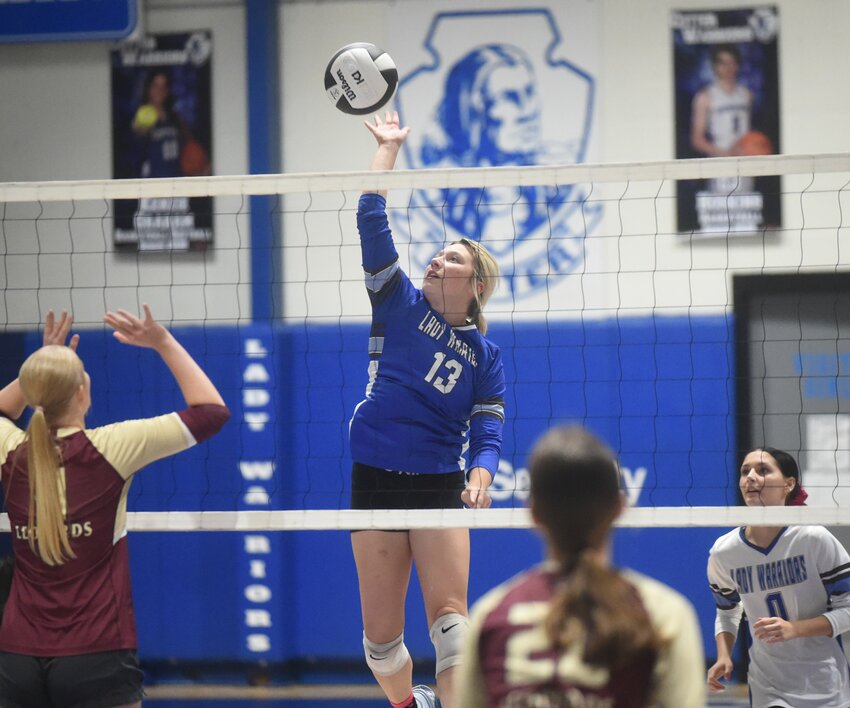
point(425, 697)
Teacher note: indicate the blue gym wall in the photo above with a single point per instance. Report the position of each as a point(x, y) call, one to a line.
point(659, 391)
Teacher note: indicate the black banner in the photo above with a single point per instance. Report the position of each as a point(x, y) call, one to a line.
point(162, 127)
point(727, 104)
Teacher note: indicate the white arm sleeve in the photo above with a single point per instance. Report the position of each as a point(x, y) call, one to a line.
point(834, 568)
point(728, 620)
point(726, 597)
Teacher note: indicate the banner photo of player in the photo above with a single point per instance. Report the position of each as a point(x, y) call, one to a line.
point(162, 127)
point(727, 104)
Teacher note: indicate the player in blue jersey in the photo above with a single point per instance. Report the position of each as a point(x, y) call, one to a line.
point(159, 126)
point(793, 584)
point(435, 386)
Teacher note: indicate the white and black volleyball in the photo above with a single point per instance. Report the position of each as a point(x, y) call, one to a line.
point(360, 78)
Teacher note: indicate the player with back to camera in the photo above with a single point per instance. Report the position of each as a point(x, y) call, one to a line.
point(432, 376)
point(793, 583)
point(68, 636)
point(574, 631)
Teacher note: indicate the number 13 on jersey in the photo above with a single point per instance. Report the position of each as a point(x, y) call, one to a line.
point(453, 368)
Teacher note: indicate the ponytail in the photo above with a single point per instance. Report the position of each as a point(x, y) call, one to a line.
point(594, 606)
point(48, 534)
point(479, 321)
point(485, 272)
point(49, 379)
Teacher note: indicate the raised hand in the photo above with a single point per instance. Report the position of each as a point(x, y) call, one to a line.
point(55, 333)
point(387, 130)
point(131, 330)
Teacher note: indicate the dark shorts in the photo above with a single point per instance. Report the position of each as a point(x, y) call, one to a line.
point(102, 680)
point(374, 488)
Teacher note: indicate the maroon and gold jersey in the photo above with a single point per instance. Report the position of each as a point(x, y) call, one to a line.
point(509, 661)
point(85, 605)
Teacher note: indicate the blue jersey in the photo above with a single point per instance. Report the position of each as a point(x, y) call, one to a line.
point(430, 384)
point(162, 151)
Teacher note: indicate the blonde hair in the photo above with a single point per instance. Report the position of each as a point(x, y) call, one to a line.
point(485, 270)
point(49, 379)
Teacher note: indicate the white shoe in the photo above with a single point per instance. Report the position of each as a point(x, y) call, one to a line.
point(425, 697)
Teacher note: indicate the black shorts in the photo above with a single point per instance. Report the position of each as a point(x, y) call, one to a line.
point(374, 488)
point(102, 680)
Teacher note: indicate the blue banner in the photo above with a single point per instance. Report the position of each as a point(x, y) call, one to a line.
point(54, 20)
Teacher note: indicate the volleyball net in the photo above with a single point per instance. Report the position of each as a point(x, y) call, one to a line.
point(680, 349)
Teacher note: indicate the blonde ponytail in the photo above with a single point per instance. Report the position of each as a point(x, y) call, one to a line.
point(49, 379)
point(48, 534)
point(485, 271)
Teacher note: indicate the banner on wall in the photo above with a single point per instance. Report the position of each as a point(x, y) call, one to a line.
point(162, 127)
point(485, 88)
point(81, 20)
point(727, 104)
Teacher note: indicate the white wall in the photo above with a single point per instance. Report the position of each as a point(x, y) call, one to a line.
point(635, 80)
point(54, 124)
point(635, 261)
point(636, 95)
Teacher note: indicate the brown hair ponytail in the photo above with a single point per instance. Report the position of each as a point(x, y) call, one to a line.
point(575, 498)
point(594, 606)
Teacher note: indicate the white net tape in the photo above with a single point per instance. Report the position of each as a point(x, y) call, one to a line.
point(645, 268)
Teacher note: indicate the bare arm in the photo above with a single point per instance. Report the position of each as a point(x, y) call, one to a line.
point(775, 629)
point(12, 401)
point(390, 137)
point(722, 668)
point(195, 385)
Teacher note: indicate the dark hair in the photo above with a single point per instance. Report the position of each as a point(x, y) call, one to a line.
point(789, 468)
point(575, 498)
point(168, 107)
point(725, 49)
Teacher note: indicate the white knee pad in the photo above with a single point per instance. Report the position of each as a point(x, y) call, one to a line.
point(448, 634)
point(386, 659)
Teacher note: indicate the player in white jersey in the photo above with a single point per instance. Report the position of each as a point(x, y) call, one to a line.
point(721, 115)
point(722, 110)
point(793, 584)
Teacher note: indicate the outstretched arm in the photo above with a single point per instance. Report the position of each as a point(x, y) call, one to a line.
point(12, 401)
point(195, 385)
point(390, 137)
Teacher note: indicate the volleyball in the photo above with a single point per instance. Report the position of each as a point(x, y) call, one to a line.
point(146, 117)
point(360, 78)
point(753, 143)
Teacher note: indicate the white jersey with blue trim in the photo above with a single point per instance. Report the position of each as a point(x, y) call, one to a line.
point(729, 114)
point(433, 388)
point(804, 573)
